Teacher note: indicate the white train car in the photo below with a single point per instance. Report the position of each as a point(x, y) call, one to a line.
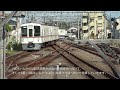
point(72, 33)
point(34, 35)
point(62, 33)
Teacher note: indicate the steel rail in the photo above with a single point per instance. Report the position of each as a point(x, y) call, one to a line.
point(117, 72)
point(106, 74)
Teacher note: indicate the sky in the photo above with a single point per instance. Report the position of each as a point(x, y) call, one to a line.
point(113, 13)
point(109, 13)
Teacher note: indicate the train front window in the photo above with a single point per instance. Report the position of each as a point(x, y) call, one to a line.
point(30, 32)
point(24, 31)
point(37, 30)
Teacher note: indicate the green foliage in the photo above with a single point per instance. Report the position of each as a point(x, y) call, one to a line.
point(9, 46)
point(119, 45)
point(8, 28)
point(63, 25)
point(17, 46)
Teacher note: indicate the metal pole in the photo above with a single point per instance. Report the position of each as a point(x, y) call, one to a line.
point(110, 25)
point(3, 53)
point(88, 26)
point(105, 18)
point(81, 27)
point(2, 72)
point(61, 20)
point(78, 29)
point(7, 19)
point(3, 44)
point(17, 29)
point(1, 56)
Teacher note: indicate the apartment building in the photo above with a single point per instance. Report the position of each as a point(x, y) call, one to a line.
point(94, 25)
point(117, 32)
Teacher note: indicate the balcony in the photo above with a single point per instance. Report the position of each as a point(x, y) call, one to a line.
point(100, 21)
point(91, 23)
point(85, 20)
point(99, 24)
point(92, 15)
point(85, 27)
point(92, 28)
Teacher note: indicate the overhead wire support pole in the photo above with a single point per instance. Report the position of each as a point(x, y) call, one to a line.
point(78, 29)
point(7, 19)
point(111, 24)
point(81, 25)
point(88, 25)
point(3, 45)
point(105, 18)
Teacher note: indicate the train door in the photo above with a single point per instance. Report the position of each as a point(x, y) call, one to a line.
point(30, 33)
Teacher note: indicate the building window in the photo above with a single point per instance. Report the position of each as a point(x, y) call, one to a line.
point(91, 20)
point(99, 17)
point(84, 24)
point(99, 24)
point(92, 27)
point(85, 16)
point(85, 31)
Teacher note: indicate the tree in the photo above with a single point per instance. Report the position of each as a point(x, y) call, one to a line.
point(8, 28)
point(63, 25)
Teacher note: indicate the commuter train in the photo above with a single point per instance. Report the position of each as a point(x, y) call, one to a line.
point(62, 33)
point(72, 33)
point(34, 35)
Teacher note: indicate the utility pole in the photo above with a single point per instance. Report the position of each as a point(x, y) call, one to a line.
point(17, 20)
point(105, 18)
point(110, 25)
point(88, 26)
point(78, 29)
point(3, 45)
point(61, 19)
point(3, 49)
point(81, 27)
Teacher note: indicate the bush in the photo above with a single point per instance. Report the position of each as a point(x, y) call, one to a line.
point(119, 45)
point(9, 46)
point(17, 46)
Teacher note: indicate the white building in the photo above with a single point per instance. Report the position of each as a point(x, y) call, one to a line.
point(117, 33)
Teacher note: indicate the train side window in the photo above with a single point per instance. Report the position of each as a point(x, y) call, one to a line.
point(24, 31)
point(37, 30)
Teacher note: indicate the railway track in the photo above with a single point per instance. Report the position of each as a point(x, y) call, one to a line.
point(12, 60)
point(84, 66)
point(91, 50)
point(31, 64)
point(25, 70)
